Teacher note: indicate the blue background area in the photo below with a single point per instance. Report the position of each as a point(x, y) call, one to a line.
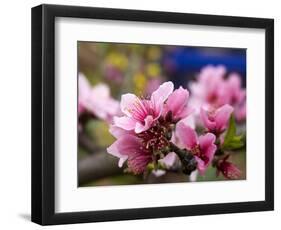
point(182, 63)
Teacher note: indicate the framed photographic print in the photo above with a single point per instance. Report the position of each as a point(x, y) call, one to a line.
point(142, 114)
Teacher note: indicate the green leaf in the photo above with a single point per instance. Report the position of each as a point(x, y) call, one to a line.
point(231, 140)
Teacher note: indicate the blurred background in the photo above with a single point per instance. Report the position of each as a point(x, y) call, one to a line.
point(140, 69)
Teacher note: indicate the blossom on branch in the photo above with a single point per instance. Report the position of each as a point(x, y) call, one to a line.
point(202, 147)
point(96, 100)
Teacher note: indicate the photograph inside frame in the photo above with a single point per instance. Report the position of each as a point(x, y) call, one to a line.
point(150, 114)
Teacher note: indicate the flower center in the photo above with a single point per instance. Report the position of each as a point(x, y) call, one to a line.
point(212, 98)
point(196, 151)
point(156, 138)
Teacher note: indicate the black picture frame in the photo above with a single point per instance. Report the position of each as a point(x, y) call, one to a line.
point(43, 114)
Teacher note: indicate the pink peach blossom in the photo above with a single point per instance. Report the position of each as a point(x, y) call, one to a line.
point(209, 87)
point(240, 112)
point(129, 147)
point(237, 96)
point(135, 150)
point(141, 114)
point(212, 90)
point(177, 104)
point(234, 89)
point(216, 121)
point(84, 92)
point(203, 147)
point(96, 100)
point(228, 169)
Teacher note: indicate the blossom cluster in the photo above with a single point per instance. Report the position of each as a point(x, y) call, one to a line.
point(159, 131)
point(213, 90)
point(172, 129)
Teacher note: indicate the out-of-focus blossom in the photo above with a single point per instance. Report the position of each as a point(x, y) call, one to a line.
point(216, 121)
point(240, 112)
point(228, 169)
point(203, 147)
point(234, 89)
point(177, 104)
point(96, 100)
point(212, 90)
point(111, 73)
point(141, 114)
point(237, 96)
point(208, 90)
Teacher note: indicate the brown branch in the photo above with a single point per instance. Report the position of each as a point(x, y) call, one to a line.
point(86, 143)
point(97, 166)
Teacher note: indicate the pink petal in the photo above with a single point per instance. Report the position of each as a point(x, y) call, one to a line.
point(84, 91)
point(101, 91)
point(138, 163)
point(159, 96)
point(128, 102)
point(148, 121)
point(207, 145)
point(177, 102)
point(97, 99)
point(123, 147)
point(234, 81)
point(207, 139)
point(210, 125)
point(169, 159)
point(222, 116)
point(234, 88)
point(208, 149)
point(189, 121)
point(114, 151)
point(201, 166)
point(118, 132)
point(124, 122)
point(241, 112)
point(186, 135)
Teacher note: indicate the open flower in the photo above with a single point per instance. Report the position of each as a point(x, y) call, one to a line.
point(203, 147)
point(228, 169)
point(96, 100)
point(212, 90)
point(141, 114)
point(177, 104)
point(234, 89)
point(240, 112)
point(84, 91)
point(130, 147)
point(216, 120)
point(237, 96)
point(209, 89)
